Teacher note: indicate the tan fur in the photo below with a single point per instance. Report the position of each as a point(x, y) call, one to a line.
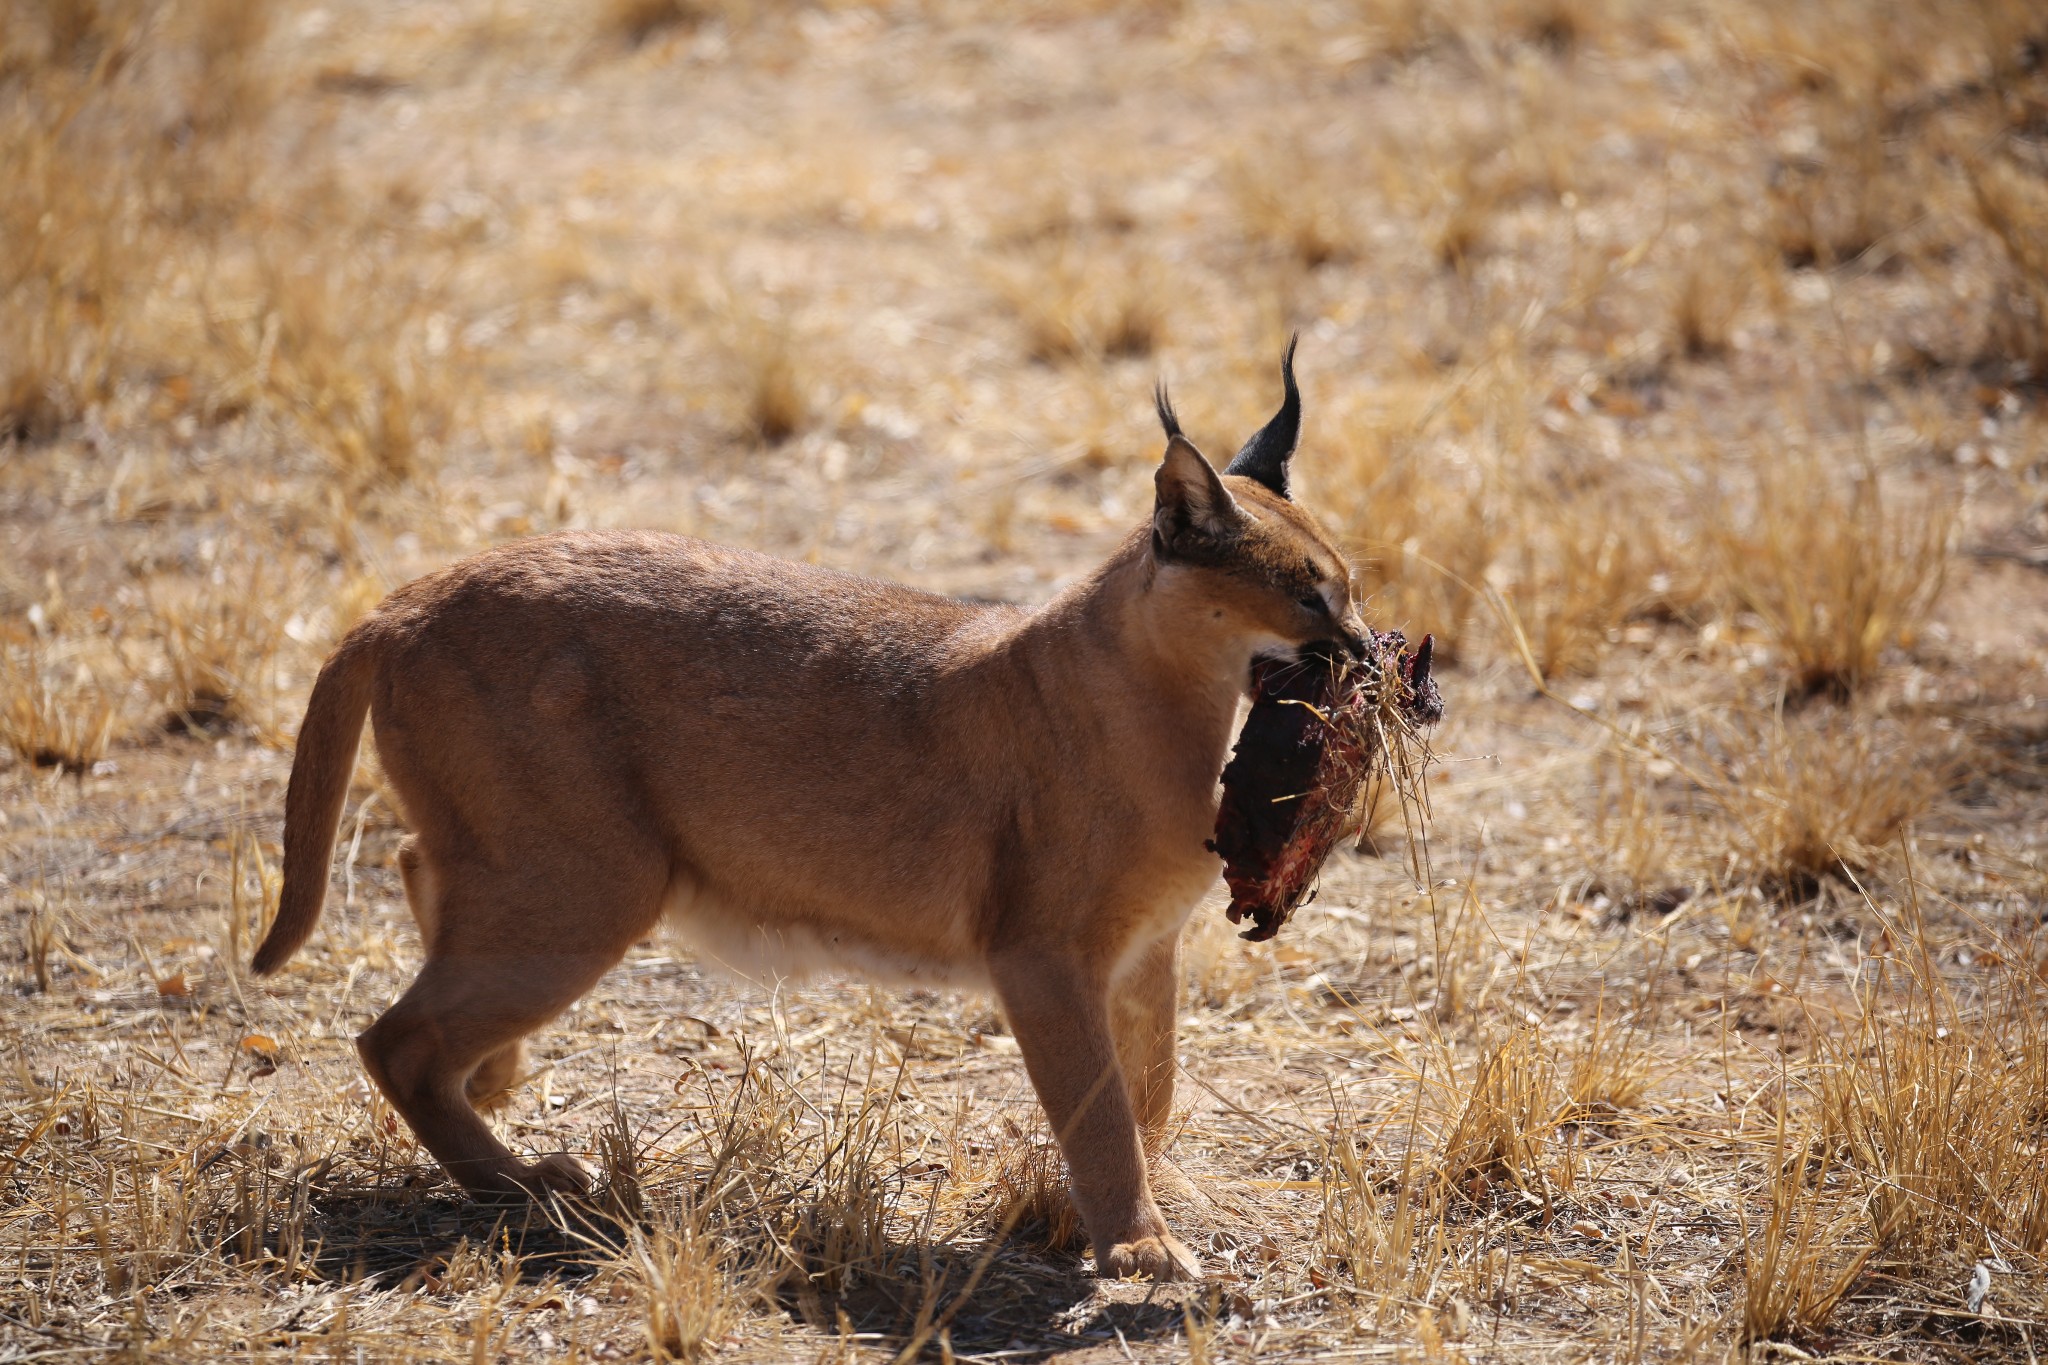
point(589, 731)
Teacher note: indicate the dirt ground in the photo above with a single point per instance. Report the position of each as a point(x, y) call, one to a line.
point(1680, 367)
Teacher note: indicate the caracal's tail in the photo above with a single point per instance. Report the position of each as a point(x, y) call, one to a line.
point(321, 768)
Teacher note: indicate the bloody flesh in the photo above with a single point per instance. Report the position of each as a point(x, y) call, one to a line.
point(1313, 737)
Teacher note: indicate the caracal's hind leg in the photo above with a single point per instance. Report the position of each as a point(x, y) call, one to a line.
point(511, 950)
point(490, 1085)
point(418, 877)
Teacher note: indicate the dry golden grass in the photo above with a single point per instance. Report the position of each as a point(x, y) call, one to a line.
point(1076, 303)
point(635, 21)
point(1608, 1072)
point(1383, 1229)
point(1502, 1134)
point(219, 640)
point(2013, 206)
point(1838, 564)
point(1806, 1252)
point(1712, 285)
point(1936, 1104)
point(1678, 364)
point(98, 219)
point(1286, 201)
point(348, 349)
point(1631, 848)
point(1422, 524)
point(774, 402)
point(686, 1282)
point(52, 717)
point(1578, 572)
point(1823, 796)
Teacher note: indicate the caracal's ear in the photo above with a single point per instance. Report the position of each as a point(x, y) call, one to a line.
point(1266, 454)
point(1192, 507)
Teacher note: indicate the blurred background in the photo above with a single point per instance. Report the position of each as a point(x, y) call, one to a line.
point(1616, 309)
point(1680, 366)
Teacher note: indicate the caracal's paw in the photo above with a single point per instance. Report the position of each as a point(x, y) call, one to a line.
point(1163, 1257)
point(557, 1174)
point(522, 1182)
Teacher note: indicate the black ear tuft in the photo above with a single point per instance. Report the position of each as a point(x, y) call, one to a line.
point(1266, 454)
point(1167, 416)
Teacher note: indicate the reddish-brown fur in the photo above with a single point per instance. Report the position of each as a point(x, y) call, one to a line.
point(798, 765)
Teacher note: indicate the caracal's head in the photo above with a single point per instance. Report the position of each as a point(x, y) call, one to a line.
point(1258, 563)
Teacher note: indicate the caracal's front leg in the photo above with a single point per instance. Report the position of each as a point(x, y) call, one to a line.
point(1058, 1006)
point(1144, 1008)
point(1144, 1011)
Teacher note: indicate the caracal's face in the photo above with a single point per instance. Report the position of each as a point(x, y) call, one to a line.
point(1289, 576)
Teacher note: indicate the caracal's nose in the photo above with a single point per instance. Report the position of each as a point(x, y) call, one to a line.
point(1351, 637)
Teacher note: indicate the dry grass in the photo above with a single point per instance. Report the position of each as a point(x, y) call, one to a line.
point(1420, 521)
point(686, 1283)
point(219, 640)
point(774, 400)
point(1818, 797)
point(1695, 351)
point(1712, 284)
point(1075, 304)
point(1634, 852)
point(1937, 1105)
point(1608, 1071)
point(348, 348)
point(98, 221)
point(636, 21)
point(2013, 206)
point(52, 717)
point(1503, 1132)
point(1578, 573)
point(1838, 565)
point(1383, 1229)
point(1286, 201)
point(1806, 1253)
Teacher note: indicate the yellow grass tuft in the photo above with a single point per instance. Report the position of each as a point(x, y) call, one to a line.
point(1286, 201)
point(2013, 207)
point(1819, 797)
point(636, 21)
point(1502, 1134)
point(1712, 283)
point(1837, 568)
point(53, 716)
point(773, 387)
point(1607, 1072)
point(1418, 517)
point(1577, 570)
point(1631, 843)
point(1382, 1227)
point(1076, 303)
point(1937, 1104)
point(1807, 1252)
point(350, 348)
point(682, 1275)
point(1031, 1195)
point(219, 639)
point(97, 220)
